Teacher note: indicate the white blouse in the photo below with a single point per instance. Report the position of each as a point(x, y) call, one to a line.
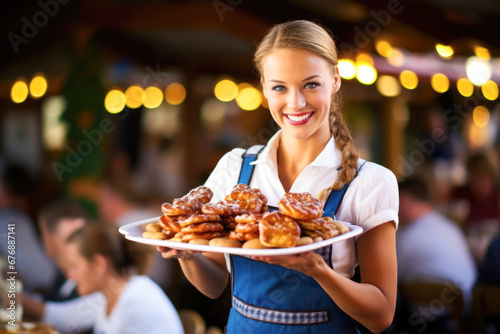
point(142, 307)
point(371, 199)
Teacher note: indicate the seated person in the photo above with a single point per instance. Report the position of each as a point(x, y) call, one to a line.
point(430, 247)
point(57, 222)
point(101, 259)
point(34, 268)
point(480, 194)
point(489, 271)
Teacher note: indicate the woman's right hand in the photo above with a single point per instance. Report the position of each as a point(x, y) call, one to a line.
point(170, 253)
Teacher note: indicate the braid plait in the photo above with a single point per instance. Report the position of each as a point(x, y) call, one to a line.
point(349, 154)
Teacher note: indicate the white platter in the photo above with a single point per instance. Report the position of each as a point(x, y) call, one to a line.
point(134, 232)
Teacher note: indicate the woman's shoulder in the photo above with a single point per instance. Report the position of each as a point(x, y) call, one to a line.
point(140, 286)
point(142, 282)
point(371, 171)
point(235, 153)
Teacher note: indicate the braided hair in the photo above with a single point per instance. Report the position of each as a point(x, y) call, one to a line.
point(309, 36)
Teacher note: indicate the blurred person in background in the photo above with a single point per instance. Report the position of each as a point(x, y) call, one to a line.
point(489, 271)
point(430, 247)
point(60, 308)
point(100, 259)
point(34, 267)
point(479, 201)
point(119, 204)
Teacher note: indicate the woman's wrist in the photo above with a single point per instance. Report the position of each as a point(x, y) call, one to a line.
point(188, 256)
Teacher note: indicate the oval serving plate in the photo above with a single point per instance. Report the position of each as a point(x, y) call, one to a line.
point(134, 232)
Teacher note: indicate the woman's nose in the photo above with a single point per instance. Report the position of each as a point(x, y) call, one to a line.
point(296, 100)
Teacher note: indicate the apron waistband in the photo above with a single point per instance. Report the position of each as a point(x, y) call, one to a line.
point(280, 317)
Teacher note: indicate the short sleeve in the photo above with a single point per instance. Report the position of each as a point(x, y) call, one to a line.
point(75, 315)
point(374, 197)
point(225, 174)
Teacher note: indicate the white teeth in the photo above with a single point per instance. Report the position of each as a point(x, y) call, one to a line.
point(299, 118)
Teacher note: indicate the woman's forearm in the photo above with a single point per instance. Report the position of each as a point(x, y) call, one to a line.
point(371, 302)
point(206, 272)
point(363, 302)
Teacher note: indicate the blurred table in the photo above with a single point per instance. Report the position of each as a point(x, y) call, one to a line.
point(30, 328)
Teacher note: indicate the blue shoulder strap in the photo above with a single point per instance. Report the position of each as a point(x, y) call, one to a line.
point(249, 156)
point(332, 204)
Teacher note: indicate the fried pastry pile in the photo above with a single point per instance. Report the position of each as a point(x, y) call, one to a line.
point(242, 219)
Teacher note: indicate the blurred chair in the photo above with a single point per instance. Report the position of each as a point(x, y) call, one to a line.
point(447, 296)
point(485, 306)
point(192, 321)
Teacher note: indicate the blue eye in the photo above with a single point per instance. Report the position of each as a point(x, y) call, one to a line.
point(279, 88)
point(312, 85)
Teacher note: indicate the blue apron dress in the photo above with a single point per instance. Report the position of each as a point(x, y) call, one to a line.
point(270, 298)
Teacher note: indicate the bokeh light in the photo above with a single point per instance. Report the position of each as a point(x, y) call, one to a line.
point(383, 48)
point(465, 87)
point(445, 51)
point(490, 90)
point(19, 91)
point(396, 57)
point(347, 69)
point(440, 82)
point(38, 86)
point(175, 93)
point(388, 86)
point(366, 73)
point(478, 70)
point(153, 97)
point(481, 116)
point(249, 98)
point(363, 57)
point(226, 90)
point(115, 101)
point(482, 53)
point(408, 79)
point(134, 96)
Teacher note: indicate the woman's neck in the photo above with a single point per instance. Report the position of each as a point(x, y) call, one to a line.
point(294, 155)
point(112, 290)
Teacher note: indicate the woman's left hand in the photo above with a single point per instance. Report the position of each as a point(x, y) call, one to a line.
point(308, 263)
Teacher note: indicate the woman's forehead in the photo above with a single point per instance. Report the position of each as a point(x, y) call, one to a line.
point(296, 64)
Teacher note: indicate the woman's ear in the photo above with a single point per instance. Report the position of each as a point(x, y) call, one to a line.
point(336, 81)
point(100, 263)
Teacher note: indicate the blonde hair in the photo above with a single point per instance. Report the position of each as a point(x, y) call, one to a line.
point(309, 36)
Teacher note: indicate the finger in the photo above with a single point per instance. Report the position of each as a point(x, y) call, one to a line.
point(170, 254)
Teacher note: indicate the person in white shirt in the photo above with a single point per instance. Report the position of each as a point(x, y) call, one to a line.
point(101, 259)
point(313, 152)
point(431, 247)
point(60, 307)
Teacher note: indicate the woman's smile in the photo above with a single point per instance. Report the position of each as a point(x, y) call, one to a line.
point(299, 119)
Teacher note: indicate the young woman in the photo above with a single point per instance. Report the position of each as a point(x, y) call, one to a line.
point(313, 152)
point(100, 259)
